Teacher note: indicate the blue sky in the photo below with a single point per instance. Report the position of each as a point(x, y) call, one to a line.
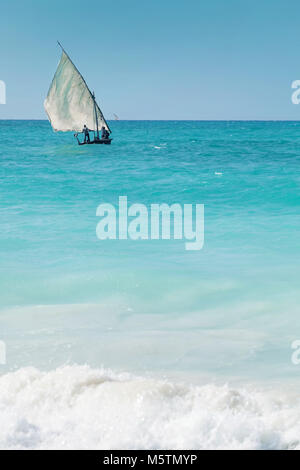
point(153, 59)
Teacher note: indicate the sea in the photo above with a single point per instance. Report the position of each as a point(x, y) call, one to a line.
point(142, 344)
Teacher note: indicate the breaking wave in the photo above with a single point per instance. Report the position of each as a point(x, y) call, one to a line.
point(76, 407)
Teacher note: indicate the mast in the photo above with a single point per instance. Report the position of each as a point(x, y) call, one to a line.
point(96, 115)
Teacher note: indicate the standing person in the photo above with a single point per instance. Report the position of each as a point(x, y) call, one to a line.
point(86, 131)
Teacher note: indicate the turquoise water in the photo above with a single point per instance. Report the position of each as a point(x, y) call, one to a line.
point(226, 313)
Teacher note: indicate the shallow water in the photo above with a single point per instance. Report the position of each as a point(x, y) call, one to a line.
point(226, 313)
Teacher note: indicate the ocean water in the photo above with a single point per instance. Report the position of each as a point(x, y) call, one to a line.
point(142, 344)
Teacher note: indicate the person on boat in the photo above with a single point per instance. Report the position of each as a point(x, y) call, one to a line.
point(104, 133)
point(86, 131)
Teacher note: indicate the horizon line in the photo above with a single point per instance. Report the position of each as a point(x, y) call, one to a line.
point(168, 120)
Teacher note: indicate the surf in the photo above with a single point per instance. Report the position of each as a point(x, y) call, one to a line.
point(78, 407)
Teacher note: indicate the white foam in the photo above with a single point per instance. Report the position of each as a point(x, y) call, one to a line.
point(76, 407)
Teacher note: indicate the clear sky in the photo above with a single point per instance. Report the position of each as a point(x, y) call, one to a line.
point(167, 59)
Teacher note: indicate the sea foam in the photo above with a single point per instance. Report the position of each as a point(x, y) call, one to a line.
point(76, 407)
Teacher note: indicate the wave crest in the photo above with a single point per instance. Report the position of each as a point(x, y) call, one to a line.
point(77, 407)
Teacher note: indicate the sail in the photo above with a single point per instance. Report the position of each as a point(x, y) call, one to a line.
point(69, 103)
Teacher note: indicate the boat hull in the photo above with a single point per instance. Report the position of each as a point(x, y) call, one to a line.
point(95, 141)
point(102, 141)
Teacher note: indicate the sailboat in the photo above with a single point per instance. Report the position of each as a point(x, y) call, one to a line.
point(71, 106)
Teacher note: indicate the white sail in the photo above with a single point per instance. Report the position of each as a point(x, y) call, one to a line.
point(69, 103)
